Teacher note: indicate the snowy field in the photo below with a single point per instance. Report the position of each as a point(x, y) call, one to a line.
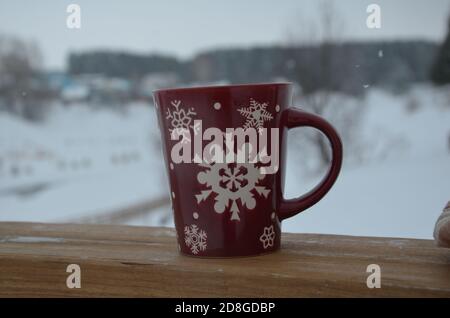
point(82, 162)
point(79, 163)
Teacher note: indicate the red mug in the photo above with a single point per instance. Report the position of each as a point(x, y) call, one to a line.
point(226, 202)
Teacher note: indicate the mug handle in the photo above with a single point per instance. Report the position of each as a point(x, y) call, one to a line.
point(293, 117)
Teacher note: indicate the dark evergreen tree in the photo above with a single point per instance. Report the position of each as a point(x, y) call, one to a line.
point(440, 72)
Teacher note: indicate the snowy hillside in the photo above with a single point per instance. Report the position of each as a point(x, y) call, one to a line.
point(81, 162)
point(404, 181)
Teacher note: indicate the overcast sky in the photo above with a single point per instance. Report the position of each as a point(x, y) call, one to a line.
point(184, 27)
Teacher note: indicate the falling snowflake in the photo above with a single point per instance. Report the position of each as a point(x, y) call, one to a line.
point(267, 237)
point(195, 238)
point(181, 121)
point(232, 182)
point(255, 115)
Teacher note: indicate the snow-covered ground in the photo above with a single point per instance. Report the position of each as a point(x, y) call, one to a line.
point(82, 162)
point(403, 183)
point(79, 163)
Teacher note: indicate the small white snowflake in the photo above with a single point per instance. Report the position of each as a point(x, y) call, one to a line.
point(255, 115)
point(180, 120)
point(268, 237)
point(195, 238)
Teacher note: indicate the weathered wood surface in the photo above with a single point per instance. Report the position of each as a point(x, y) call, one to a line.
point(143, 262)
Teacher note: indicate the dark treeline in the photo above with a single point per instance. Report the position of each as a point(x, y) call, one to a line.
point(121, 64)
point(346, 67)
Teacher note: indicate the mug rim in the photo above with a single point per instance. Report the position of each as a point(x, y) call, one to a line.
point(225, 86)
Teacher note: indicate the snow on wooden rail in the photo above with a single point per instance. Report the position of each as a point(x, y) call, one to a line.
point(144, 262)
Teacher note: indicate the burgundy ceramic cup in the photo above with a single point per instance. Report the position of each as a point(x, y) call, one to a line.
point(233, 208)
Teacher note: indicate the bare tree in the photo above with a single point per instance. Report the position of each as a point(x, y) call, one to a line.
point(22, 91)
point(322, 76)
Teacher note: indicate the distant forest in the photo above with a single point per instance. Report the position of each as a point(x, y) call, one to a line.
point(346, 67)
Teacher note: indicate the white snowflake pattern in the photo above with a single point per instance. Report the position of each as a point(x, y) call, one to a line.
point(232, 182)
point(256, 114)
point(181, 121)
point(268, 237)
point(195, 238)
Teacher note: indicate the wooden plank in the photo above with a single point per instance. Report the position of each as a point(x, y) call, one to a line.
point(144, 262)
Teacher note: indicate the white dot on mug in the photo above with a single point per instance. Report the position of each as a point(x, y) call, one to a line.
point(217, 106)
point(171, 166)
point(173, 194)
point(277, 108)
point(273, 215)
point(195, 215)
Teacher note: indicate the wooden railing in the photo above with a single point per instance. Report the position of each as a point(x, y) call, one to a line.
point(144, 262)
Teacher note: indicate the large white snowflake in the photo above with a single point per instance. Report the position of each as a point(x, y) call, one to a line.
point(181, 120)
point(231, 182)
point(195, 238)
point(256, 114)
